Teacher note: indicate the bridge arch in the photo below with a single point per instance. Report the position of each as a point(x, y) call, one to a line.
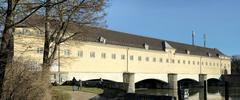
point(151, 83)
point(144, 76)
point(194, 77)
point(209, 76)
point(188, 83)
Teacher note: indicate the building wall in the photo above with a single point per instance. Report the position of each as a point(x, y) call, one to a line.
point(92, 59)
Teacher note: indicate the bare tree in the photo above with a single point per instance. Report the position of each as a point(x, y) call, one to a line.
point(10, 11)
point(22, 82)
point(82, 13)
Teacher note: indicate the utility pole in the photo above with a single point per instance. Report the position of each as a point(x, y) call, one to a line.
point(193, 35)
point(204, 37)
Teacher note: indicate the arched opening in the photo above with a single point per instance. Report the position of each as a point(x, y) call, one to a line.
point(214, 85)
point(212, 82)
point(95, 82)
point(189, 84)
point(151, 84)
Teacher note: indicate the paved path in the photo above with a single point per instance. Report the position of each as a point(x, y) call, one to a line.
point(78, 95)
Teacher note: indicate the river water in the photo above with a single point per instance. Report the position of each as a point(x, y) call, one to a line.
point(213, 93)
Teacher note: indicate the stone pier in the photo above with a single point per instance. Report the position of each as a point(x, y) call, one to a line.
point(172, 81)
point(202, 78)
point(129, 78)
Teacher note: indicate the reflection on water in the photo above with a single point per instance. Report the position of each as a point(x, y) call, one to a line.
point(214, 93)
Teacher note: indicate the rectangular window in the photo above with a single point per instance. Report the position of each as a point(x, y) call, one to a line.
point(131, 57)
point(80, 53)
point(122, 57)
point(113, 56)
point(213, 64)
point(92, 54)
point(193, 62)
point(179, 61)
point(139, 58)
point(173, 61)
point(184, 61)
point(54, 76)
point(189, 62)
point(103, 55)
point(40, 50)
point(147, 59)
point(160, 59)
point(210, 64)
point(206, 63)
point(167, 60)
point(154, 59)
point(67, 52)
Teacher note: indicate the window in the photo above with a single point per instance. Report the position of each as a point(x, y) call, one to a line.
point(198, 63)
point(139, 58)
point(103, 55)
point(54, 76)
point(92, 54)
point(206, 63)
point(167, 60)
point(113, 56)
point(184, 61)
point(173, 61)
point(193, 62)
point(189, 62)
point(160, 59)
point(210, 64)
point(147, 58)
point(214, 64)
point(179, 61)
point(80, 53)
point(40, 50)
point(154, 59)
point(66, 52)
point(131, 57)
point(122, 57)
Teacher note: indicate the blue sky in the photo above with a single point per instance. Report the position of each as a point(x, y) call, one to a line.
point(176, 19)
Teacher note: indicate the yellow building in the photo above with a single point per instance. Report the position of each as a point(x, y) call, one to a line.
point(102, 53)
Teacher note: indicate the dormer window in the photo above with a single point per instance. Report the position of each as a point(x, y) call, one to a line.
point(102, 40)
point(209, 54)
point(187, 52)
point(217, 55)
point(146, 46)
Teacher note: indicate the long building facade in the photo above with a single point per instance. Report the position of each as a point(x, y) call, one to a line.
point(108, 54)
point(120, 57)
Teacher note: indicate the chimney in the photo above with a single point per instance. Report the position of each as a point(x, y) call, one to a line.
point(204, 37)
point(193, 35)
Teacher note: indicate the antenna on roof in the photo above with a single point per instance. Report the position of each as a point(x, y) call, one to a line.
point(204, 37)
point(193, 35)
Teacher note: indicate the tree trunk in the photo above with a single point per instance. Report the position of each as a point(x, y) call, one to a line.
point(46, 41)
point(7, 45)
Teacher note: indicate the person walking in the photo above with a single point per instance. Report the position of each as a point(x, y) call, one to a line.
point(79, 84)
point(74, 84)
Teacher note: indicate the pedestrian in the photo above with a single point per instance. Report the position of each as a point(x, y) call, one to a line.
point(100, 82)
point(74, 84)
point(79, 84)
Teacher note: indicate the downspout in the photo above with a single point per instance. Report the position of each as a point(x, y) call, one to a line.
point(127, 58)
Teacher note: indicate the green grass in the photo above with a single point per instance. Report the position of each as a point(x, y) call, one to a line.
point(83, 89)
point(58, 94)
